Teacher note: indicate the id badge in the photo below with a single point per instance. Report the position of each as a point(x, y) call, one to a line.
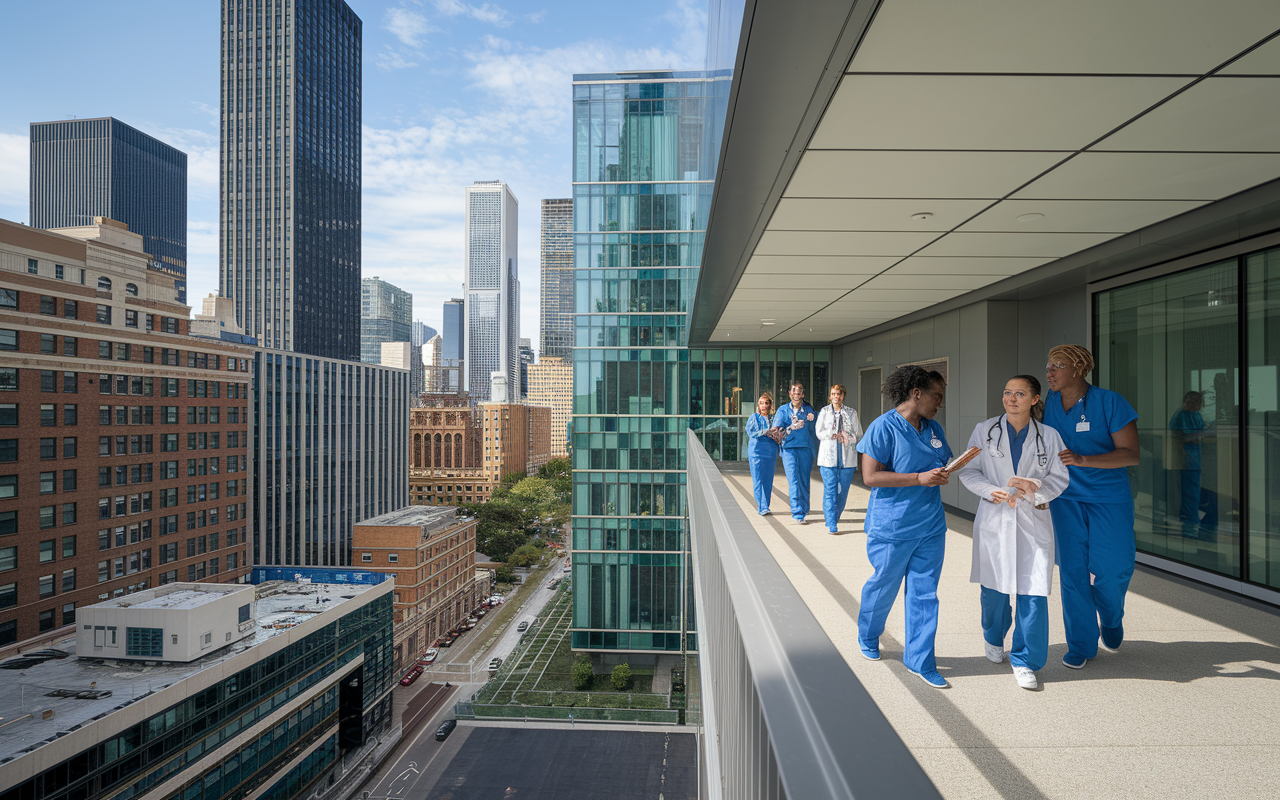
point(1082, 427)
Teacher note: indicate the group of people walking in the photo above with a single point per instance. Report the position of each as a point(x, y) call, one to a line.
point(1049, 473)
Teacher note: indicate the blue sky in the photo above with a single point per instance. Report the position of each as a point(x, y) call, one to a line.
point(453, 92)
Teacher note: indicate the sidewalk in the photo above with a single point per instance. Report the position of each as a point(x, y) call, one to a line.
point(1188, 708)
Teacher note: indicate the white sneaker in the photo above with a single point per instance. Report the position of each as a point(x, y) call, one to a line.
point(995, 653)
point(1025, 678)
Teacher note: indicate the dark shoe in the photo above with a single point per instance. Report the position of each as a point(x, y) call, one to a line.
point(1112, 638)
point(1073, 661)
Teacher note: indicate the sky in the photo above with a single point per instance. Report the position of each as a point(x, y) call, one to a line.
point(453, 93)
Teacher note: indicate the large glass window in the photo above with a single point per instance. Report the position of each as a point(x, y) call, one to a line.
point(1262, 346)
point(1171, 348)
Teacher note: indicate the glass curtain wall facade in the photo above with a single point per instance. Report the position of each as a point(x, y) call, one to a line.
point(640, 199)
point(290, 173)
point(557, 278)
point(1202, 368)
point(330, 448)
point(492, 310)
point(386, 315)
point(86, 168)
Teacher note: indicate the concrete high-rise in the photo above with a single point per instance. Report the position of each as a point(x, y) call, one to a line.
point(492, 311)
point(86, 168)
point(289, 234)
point(557, 277)
point(386, 315)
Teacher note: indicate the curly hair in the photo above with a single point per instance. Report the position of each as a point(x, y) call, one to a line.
point(765, 396)
point(1073, 355)
point(838, 387)
point(904, 380)
point(1032, 381)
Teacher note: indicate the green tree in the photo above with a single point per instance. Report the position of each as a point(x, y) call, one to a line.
point(621, 676)
point(504, 574)
point(559, 473)
point(525, 556)
point(582, 673)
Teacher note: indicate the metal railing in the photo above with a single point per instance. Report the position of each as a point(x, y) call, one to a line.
point(783, 714)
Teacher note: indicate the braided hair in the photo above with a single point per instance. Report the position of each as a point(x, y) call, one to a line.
point(904, 380)
point(1075, 355)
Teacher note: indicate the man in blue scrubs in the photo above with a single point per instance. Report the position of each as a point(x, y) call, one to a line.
point(1093, 518)
point(797, 419)
point(903, 453)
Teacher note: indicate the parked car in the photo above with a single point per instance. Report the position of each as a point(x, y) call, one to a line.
point(494, 663)
point(428, 657)
point(444, 730)
point(523, 626)
point(411, 675)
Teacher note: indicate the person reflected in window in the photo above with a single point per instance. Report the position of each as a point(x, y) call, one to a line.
point(1093, 517)
point(762, 451)
point(798, 445)
point(838, 432)
point(904, 453)
point(1017, 473)
point(1188, 427)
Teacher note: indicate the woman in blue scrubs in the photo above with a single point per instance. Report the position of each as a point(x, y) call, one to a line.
point(762, 451)
point(1093, 518)
point(797, 420)
point(903, 455)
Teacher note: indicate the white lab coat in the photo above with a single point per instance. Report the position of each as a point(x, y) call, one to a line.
point(827, 436)
point(1013, 549)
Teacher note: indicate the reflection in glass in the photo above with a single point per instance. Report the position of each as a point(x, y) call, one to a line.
point(1263, 420)
point(1172, 351)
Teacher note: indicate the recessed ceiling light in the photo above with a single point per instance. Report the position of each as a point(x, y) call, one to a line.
point(922, 216)
point(1032, 217)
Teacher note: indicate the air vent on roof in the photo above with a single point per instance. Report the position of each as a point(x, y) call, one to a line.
point(80, 694)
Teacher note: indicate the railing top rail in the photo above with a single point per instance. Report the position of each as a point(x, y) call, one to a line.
point(830, 739)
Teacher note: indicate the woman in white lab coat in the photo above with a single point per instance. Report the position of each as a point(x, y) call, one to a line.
point(1013, 549)
point(838, 434)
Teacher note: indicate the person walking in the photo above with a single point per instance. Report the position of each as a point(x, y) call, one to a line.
point(904, 453)
point(1093, 517)
point(1017, 473)
point(762, 451)
point(838, 433)
point(796, 421)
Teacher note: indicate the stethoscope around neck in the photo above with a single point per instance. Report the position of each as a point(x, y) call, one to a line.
point(1041, 455)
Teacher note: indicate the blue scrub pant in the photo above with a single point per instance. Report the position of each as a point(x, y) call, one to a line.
point(1031, 636)
point(835, 491)
point(1094, 539)
point(762, 469)
point(798, 463)
point(920, 562)
point(1194, 500)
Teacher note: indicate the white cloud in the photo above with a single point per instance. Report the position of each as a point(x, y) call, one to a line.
point(390, 60)
point(494, 15)
point(536, 17)
point(407, 25)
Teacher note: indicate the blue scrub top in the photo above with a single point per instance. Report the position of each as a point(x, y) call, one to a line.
point(1189, 424)
point(1103, 412)
point(759, 445)
point(805, 437)
point(905, 512)
point(1016, 440)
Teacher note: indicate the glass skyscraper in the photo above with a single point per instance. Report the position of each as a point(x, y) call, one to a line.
point(86, 168)
point(386, 315)
point(557, 277)
point(492, 306)
point(640, 199)
point(290, 173)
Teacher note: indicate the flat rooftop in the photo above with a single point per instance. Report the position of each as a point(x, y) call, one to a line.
point(428, 518)
point(280, 605)
point(176, 599)
point(582, 764)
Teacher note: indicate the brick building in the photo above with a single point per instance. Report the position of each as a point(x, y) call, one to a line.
point(432, 554)
point(459, 453)
point(122, 439)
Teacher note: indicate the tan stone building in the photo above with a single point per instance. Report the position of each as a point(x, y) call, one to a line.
point(432, 554)
point(551, 385)
point(459, 453)
point(123, 440)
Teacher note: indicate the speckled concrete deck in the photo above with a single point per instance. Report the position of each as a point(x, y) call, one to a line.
point(1188, 708)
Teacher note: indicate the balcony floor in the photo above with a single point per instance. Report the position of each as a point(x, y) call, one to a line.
point(1188, 708)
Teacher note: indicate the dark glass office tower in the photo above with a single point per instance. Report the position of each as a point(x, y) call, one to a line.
point(86, 168)
point(290, 212)
point(557, 277)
